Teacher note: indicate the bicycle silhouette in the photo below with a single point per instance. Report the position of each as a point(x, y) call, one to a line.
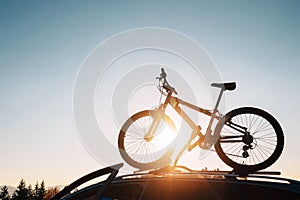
point(247, 139)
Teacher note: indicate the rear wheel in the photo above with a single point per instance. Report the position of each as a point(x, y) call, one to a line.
point(250, 139)
point(143, 152)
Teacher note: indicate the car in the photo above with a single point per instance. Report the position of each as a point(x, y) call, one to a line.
point(182, 183)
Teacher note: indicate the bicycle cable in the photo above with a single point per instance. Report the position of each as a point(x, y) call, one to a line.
point(226, 153)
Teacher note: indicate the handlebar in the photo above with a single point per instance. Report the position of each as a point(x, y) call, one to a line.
point(163, 78)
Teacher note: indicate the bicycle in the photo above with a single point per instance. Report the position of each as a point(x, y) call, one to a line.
point(248, 139)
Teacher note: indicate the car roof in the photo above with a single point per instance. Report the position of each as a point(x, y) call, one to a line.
point(224, 182)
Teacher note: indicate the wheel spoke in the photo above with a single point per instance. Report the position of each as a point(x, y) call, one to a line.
point(264, 145)
point(138, 151)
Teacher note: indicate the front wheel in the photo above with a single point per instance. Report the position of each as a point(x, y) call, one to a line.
point(250, 139)
point(144, 152)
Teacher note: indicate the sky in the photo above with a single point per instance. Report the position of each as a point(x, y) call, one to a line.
point(43, 44)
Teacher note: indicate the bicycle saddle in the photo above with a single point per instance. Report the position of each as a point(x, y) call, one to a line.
point(225, 86)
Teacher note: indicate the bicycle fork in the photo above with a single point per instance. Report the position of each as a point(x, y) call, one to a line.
point(157, 119)
point(154, 125)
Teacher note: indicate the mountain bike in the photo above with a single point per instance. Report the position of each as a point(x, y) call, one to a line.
point(247, 139)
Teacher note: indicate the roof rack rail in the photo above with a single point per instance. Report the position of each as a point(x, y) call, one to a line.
point(257, 176)
point(225, 174)
point(215, 172)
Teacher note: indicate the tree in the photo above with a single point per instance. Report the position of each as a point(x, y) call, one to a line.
point(25, 193)
point(22, 192)
point(30, 192)
point(41, 191)
point(51, 192)
point(35, 192)
point(4, 195)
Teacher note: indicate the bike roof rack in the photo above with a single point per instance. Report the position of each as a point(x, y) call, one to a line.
point(234, 172)
point(228, 175)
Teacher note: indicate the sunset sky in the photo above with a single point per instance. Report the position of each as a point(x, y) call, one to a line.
point(43, 44)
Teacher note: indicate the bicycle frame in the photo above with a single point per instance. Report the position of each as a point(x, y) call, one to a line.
point(174, 102)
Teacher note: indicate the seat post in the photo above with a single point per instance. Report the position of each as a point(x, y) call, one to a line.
point(218, 101)
point(208, 130)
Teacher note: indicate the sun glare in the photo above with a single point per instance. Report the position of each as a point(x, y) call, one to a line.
point(165, 137)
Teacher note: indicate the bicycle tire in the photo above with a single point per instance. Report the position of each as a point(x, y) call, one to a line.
point(163, 155)
point(260, 139)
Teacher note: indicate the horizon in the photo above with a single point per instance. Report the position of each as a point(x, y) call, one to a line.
point(43, 45)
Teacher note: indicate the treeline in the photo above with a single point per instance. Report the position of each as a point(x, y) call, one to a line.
point(39, 192)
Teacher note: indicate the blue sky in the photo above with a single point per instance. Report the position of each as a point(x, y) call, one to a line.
point(43, 43)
